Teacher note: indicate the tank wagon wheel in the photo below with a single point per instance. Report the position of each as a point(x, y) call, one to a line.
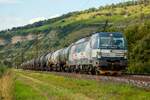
point(95, 71)
point(47, 68)
point(70, 69)
point(50, 68)
point(59, 67)
point(74, 69)
point(56, 67)
point(77, 69)
point(67, 69)
point(64, 68)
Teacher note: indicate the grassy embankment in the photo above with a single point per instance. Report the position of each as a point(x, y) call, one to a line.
point(6, 84)
point(45, 86)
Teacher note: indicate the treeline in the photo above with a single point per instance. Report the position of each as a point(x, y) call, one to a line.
point(138, 37)
point(4, 66)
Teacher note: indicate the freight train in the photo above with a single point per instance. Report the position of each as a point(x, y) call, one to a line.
point(100, 53)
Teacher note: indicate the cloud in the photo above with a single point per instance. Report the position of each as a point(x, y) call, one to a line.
point(36, 19)
point(42, 18)
point(7, 22)
point(9, 1)
point(54, 16)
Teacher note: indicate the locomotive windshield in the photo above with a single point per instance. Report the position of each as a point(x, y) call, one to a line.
point(112, 41)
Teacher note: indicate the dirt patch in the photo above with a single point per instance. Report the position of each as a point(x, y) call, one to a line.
point(32, 79)
point(16, 39)
point(2, 41)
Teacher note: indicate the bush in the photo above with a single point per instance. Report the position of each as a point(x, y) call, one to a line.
point(139, 48)
point(138, 68)
point(3, 69)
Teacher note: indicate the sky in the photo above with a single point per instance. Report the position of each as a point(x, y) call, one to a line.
point(15, 13)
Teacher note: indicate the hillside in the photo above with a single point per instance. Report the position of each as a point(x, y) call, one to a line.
point(131, 18)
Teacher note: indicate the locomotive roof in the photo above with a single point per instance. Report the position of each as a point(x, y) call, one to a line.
point(103, 34)
point(82, 40)
point(114, 34)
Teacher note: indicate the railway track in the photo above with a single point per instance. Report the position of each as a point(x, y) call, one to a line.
point(141, 81)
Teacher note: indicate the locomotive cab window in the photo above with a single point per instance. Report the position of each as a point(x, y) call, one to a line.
point(112, 42)
point(81, 47)
point(119, 43)
point(95, 41)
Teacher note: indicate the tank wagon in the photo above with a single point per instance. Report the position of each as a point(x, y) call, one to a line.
point(103, 52)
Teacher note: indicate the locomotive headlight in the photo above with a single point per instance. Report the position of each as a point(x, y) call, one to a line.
point(125, 55)
point(98, 55)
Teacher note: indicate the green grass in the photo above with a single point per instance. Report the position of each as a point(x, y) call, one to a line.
point(25, 91)
point(46, 86)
